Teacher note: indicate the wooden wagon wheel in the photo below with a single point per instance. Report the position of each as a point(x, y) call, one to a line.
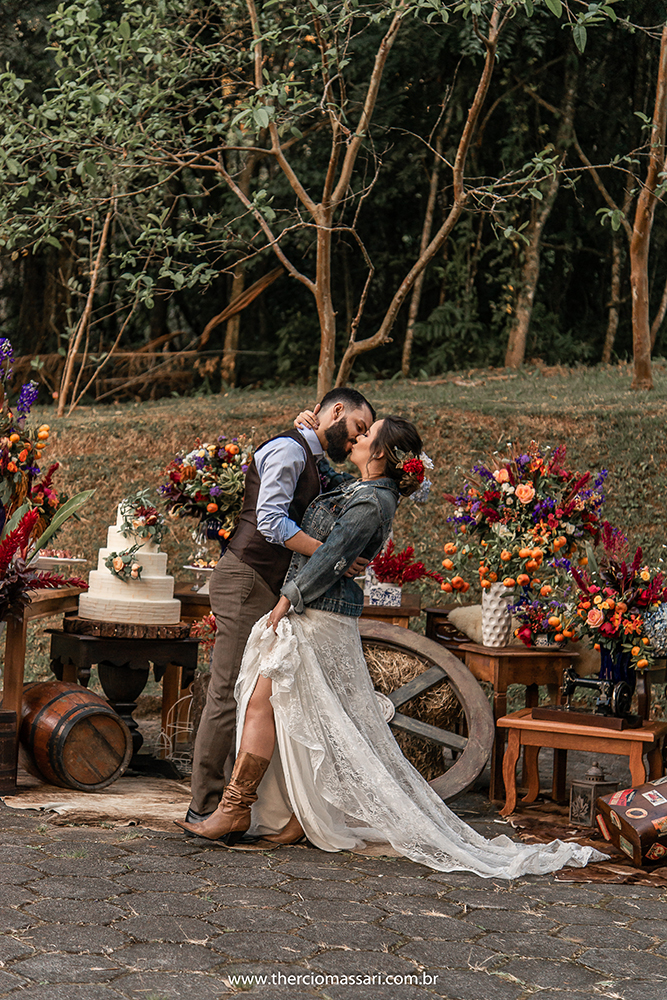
point(443, 666)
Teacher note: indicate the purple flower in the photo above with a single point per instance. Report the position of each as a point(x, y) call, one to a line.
point(6, 349)
point(215, 491)
point(199, 462)
point(27, 397)
point(244, 468)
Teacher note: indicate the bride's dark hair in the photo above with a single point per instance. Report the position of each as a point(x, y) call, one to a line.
point(397, 439)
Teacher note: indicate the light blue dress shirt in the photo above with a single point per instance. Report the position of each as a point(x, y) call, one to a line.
point(279, 466)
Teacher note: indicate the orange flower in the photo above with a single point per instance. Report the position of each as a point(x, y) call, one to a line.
point(23, 456)
point(11, 467)
point(595, 617)
point(525, 492)
point(501, 476)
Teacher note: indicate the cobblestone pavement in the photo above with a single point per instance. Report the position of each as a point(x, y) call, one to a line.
point(95, 914)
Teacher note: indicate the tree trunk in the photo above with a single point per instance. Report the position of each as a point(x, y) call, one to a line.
point(354, 347)
point(539, 215)
point(228, 364)
point(426, 236)
point(641, 232)
point(614, 298)
point(325, 309)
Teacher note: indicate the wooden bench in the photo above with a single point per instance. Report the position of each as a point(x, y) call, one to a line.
point(533, 734)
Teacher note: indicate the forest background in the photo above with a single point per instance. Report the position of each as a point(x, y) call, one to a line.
point(196, 195)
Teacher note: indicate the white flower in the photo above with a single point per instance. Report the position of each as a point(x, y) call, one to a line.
point(507, 488)
point(569, 529)
point(426, 461)
point(421, 495)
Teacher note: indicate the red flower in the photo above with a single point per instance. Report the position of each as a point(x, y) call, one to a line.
point(414, 467)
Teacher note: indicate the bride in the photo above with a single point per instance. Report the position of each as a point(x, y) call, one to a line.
point(315, 755)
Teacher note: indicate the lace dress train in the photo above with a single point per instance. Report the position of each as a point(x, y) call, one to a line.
point(338, 768)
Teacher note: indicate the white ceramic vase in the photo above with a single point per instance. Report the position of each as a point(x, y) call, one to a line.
point(496, 618)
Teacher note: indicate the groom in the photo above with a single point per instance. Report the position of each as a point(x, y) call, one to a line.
point(282, 480)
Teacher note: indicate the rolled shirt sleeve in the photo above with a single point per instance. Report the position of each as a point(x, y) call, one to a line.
point(279, 467)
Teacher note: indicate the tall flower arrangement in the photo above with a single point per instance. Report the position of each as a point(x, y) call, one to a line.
point(31, 511)
point(208, 483)
point(522, 519)
point(617, 593)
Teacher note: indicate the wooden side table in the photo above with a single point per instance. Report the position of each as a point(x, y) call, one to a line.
point(514, 665)
point(195, 605)
point(123, 667)
point(44, 604)
point(533, 734)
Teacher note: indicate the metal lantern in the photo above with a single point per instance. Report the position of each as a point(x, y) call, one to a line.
point(584, 794)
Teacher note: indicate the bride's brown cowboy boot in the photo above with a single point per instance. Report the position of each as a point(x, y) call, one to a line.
point(292, 833)
point(232, 817)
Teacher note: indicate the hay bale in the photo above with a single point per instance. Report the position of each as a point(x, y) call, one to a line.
point(439, 706)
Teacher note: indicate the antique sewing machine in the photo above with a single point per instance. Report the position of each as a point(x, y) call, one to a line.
point(612, 698)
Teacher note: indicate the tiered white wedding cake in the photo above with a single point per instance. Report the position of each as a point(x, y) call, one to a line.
point(144, 596)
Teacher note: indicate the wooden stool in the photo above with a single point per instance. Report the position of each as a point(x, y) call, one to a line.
point(533, 734)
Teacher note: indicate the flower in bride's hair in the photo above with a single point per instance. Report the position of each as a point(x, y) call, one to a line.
point(426, 461)
point(414, 467)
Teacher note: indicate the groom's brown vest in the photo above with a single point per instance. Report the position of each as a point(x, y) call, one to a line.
point(248, 544)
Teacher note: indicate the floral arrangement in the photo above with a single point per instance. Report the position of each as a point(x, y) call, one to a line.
point(124, 565)
point(20, 446)
point(414, 473)
point(140, 518)
point(205, 630)
point(551, 621)
point(16, 576)
point(45, 499)
point(208, 483)
point(617, 592)
point(398, 568)
point(523, 518)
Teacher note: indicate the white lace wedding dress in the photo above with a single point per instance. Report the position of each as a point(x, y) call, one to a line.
point(338, 768)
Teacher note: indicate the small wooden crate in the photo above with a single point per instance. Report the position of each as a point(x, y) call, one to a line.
point(7, 752)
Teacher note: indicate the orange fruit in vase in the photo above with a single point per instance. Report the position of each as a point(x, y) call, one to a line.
point(545, 590)
point(493, 577)
point(531, 565)
point(554, 621)
point(640, 664)
point(509, 581)
point(14, 437)
point(447, 587)
point(558, 637)
point(457, 582)
point(450, 548)
point(568, 633)
point(211, 507)
point(448, 564)
point(485, 584)
point(505, 555)
point(465, 587)
point(523, 579)
point(525, 553)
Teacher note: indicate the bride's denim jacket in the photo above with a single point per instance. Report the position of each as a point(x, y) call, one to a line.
point(352, 520)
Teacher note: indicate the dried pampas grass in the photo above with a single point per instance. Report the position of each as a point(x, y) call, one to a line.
point(439, 706)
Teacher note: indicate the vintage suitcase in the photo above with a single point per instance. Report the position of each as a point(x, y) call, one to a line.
point(635, 821)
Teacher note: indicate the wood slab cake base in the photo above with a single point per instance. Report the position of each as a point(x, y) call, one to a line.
point(125, 630)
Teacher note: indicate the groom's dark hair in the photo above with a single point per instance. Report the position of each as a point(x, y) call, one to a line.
point(350, 398)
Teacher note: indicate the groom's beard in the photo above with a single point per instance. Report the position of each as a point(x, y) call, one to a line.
point(337, 440)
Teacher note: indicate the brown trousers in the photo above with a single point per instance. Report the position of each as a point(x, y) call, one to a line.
point(239, 598)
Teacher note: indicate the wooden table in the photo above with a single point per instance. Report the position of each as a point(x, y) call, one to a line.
point(533, 734)
point(195, 605)
point(513, 665)
point(123, 668)
point(44, 604)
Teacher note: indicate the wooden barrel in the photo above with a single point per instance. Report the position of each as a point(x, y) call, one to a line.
point(73, 736)
point(7, 753)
